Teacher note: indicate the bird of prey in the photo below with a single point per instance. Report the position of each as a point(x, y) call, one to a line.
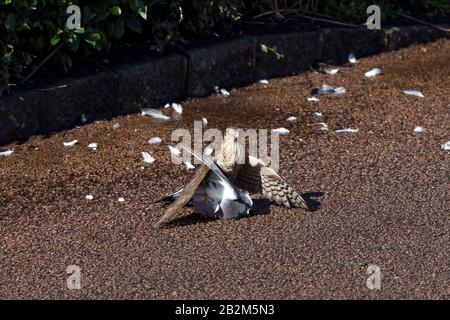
point(214, 190)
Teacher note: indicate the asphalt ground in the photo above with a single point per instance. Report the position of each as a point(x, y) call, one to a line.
point(380, 196)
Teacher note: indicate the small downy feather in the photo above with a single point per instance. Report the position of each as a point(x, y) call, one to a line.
point(70, 143)
point(174, 151)
point(177, 108)
point(413, 93)
point(346, 130)
point(154, 113)
point(351, 58)
point(6, 153)
point(372, 73)
point(147, 157)
point(281, 131)
point(154, 140)
point(331, 71)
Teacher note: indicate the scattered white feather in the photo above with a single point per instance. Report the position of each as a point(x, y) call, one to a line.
point(147, 157)
point(413, 93)
point(6, 153)
point(116, 126)
point(121, 199)
point(419, 129)
point(331, 71)
point(154, 140)
point(281, 131)
point(205, 121)
point(291, 118)
point(174, 151)
point(167, 105)
point(445, 146)
point(177, 108)
point(323, 126)
point(352, 58)
point(93, 145)
point(346, 130)
point(189, 165)
point(340, 90)
point(224, 92)
point(317, 114)
point(89, 197)
point(312, 99)
point(263, 81)
point(372, 73)
point(326, 88)
point(70, 143)
point(154, 113)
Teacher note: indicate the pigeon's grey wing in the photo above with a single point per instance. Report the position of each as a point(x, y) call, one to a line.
point(170, 198)
point(207, 160)
point(256, 176)
point(173, 211)
point(232, 202)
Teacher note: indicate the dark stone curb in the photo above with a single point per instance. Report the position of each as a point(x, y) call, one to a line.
point(192, 73)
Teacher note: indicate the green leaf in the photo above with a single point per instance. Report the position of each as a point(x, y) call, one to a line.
point(143, 12)
point(139, 7)
point(92, 38)
point(74, 46)
point(116, 10)
point(54, 41)
point(264, 48)
point(26, 26)
point(79, 31)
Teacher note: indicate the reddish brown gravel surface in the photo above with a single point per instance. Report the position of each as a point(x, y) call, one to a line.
point(383, 193)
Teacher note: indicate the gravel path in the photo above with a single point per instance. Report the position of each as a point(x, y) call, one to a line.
point(381, 195)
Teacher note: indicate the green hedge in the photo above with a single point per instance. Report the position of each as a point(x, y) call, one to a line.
point(30, 30)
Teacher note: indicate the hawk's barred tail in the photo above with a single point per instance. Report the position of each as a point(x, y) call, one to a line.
point(277, 190)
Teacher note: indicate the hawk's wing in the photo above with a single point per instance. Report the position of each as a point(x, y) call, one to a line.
point(173, 211)
point(258, 177)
